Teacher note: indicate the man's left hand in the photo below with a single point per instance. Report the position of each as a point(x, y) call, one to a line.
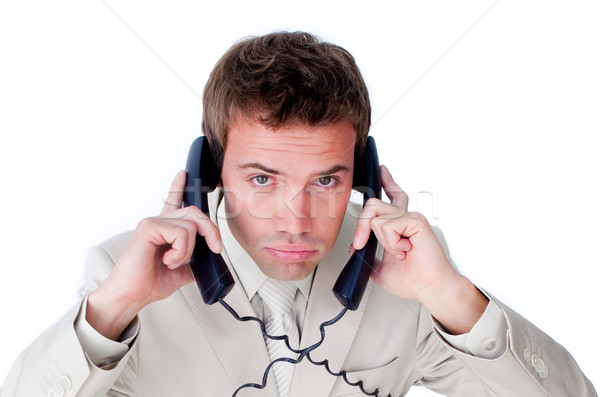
point(414, 265)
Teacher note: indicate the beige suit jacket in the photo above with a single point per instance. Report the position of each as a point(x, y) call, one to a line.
point(187, 348)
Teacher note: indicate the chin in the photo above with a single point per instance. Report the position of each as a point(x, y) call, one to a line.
point(288, 271)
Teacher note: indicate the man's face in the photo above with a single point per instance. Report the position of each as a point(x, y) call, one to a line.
point(286, 192)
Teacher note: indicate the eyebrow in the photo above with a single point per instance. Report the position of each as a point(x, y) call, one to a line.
point(332, 170)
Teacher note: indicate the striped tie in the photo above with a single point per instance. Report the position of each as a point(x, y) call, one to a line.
point(279, 296)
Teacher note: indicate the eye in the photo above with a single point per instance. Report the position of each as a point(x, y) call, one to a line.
point(327, 181)
point(261, 180)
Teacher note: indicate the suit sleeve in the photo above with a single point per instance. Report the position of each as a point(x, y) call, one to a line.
point(55, 364)
point(533, 364)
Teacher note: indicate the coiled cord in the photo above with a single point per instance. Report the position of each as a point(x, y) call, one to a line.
point(343, 374)
point(301, 352)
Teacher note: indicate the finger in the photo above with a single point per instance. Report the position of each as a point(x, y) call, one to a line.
point(392, 235)
point(373, 208)
point(181, 249)
point(182, 245)
point(204, 227)
point(397, 196)
point(175, 198)
point(175, 238)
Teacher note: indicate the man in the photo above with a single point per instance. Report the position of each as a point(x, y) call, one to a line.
point(285, 116)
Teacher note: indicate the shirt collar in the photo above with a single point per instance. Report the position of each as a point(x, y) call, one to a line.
point(248, 272)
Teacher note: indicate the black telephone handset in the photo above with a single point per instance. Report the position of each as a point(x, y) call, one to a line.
point(212, 275)
point(352, 281)
point(210, 270)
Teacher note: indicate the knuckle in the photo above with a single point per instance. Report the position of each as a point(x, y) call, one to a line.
point(205, 227)
point(195, 212)
point(173, 213)
point(146, 223)
point(404, 197)
point(419, 217)
point(372, 203)
point(188, 214)
point(187, 226)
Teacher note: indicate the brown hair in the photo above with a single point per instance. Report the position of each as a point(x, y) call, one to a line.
point(282, 78)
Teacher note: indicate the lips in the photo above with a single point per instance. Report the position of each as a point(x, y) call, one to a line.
point(291, 252)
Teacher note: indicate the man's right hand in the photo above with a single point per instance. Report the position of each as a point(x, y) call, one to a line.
point(153, 265)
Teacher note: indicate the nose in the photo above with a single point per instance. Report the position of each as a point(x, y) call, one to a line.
point(295, 212)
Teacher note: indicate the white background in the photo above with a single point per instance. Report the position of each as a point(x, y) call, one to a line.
point(491, 108)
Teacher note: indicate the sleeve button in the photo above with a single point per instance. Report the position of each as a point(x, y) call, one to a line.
point(543, 372)
point(527, 354)
point(535, 361)
point(57, 391)
point(490, 344)
point(65, 382)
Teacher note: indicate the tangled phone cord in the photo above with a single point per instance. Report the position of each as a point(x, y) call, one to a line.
point(301, 352)
point(285, 338)
point(325, 363)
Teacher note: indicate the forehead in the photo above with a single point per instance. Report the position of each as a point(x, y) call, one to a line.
point(312, 143)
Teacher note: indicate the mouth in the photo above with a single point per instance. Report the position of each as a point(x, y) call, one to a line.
point(291, 253)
